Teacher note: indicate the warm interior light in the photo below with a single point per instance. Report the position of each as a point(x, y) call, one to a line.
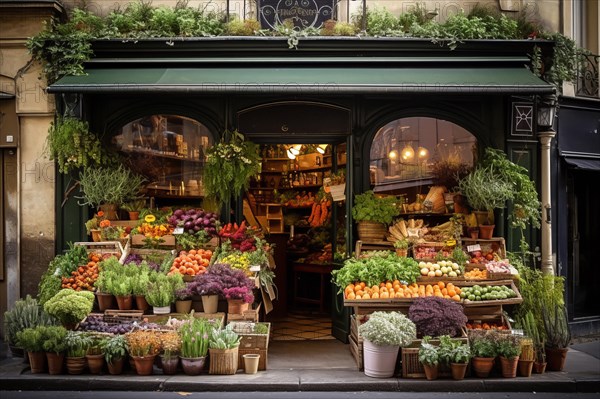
point(290, 155)
point(408, 153)
point(423, 153)
point(393, 155)
point(321, 148)
point(295, 149)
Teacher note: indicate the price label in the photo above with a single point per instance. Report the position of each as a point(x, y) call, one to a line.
point(473, 248)
point(450, 243)
point(178, 230)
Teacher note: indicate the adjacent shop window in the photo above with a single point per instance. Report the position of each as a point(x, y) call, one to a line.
point(168, 150)
point(419, 151)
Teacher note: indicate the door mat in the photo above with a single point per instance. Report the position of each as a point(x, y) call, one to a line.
point(297, 327)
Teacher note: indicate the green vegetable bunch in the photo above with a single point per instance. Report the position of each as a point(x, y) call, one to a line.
point(70, 306)
point(60, 266)
point(368, 207)
point(376, 269)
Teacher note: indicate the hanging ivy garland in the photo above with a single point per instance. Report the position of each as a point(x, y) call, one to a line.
point(229, 166)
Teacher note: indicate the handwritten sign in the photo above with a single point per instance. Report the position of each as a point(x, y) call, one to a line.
point(303, 13)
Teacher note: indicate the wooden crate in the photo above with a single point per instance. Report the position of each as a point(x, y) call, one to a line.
point(498, 319)
point(509, 301)
point(138, 240)
point(105, 247)
point(356, 349)
point(250, 315)
point(115, 316)
point(428, 251)
point(262, 362)
point(148, 254)
point(250, 339)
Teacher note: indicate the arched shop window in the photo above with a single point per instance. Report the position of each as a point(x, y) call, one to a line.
point(409, 154)
point(168, 150)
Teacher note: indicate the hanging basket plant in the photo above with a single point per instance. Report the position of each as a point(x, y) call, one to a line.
point(229, 166)
point(73, 146)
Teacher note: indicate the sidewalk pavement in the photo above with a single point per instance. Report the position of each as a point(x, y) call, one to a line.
point(289, 370)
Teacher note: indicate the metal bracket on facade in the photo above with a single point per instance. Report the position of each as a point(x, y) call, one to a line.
point(72, 105)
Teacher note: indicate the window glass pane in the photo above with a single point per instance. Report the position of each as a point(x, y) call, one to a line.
point(416, 151)
point(168, 150)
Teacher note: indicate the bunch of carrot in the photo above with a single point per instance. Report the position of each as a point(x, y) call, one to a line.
point(320, 213)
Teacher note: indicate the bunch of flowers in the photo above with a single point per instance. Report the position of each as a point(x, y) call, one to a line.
point(238, 260)
point(170, 342)
point(229, 166)
point(243, 293)
point(143, 343)
point(95, 222)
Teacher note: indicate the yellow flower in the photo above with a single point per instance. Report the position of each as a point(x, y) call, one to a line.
point(150, 218)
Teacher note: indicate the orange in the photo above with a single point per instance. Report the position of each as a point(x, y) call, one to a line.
point(362, 285)
point(359, 293)
point(357, 288)
point(351, 295)
point(456, 298)
point(441, 284)
point(388, 285)
point(366, 296)
point(445, 291)
point(375, 295)
point(384, 295)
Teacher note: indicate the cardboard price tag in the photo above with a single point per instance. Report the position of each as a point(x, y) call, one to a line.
point(473, 248)
point(178, 230)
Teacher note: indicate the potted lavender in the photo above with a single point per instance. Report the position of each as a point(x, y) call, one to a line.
point(183, 302)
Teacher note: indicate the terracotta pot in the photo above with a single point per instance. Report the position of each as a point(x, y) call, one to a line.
point(236, 306)
point(482, 366)
point(116, 367)
point(95, 363)
point(210, 303)
point(169, 365)
point(431, 371)
point(183, 306)
point(525, 368)
point(509, 366)
point(134, 215)
point(539, 368)
point(460, 204)
point(75, 365)
point(55, 362)
point(96, 235)
point(484, 217)
point(193, 365)
point(458, 370)
point(141, 303)
point(486, 231)
point(555, 357)
point(37, 362)
point(124, 302)
point(105, 301)
point(143, 364)
point(110, 211)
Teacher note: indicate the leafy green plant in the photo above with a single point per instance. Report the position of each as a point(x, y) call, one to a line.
point(461, 354)
point(369, 207)
point(556, 324)
point(101, 186)
point(32, 339)
point(96, 346)
point(224, 338)
point(135, 205)
point(77, 343)
point(375, 269)
point(401, 244)
point(73, 146)
point(428, 354)
point(483, 189)
point(70, 306)
point(54, 339)
point(509, 346)
point(483, 343)
point(388, 328)
point(195, 337)
point(530, 327)
point(25, 313)
point(229, 166)
point(114, 348)
point(162, 289)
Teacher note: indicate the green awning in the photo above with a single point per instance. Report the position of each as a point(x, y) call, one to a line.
point(308, 80)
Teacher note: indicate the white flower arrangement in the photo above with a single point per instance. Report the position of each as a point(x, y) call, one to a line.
point(388, 328)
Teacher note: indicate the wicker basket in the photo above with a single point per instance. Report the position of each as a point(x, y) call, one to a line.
point(223, 361)
point(371, 231)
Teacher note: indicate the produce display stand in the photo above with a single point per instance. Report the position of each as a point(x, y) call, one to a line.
point(105, 247)
point(147, 252)
point(362, 245)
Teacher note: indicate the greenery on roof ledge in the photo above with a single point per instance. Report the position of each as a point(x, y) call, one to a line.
point(62, 48)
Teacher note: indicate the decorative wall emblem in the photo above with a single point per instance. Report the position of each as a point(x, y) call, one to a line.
point(304, 13)
point(522, 119)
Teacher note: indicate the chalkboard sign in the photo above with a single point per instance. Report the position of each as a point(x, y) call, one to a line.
point(304, 13)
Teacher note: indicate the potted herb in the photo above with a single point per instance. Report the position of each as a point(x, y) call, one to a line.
point(223, 348)
point(484, 350)
point(139, 286)
point(558, 335)
point(95, 354)
point(429, 358)
point(195, 335)
point(170, 343)
point(230, 164)
point(55, 346)
point(383, 334)
point(120, 285)
point(401, 247)
point(372, 214)
point(115, 350)
point(508, 348)
point(109, 188)
point(161, 291)
point(459, 360)
point(70, 306)
point(25, 313)
point(435, 316)
point(134, 207)
point(77, 343)
point(183, 302)
point(531, 330)
point(143, 346)
point(32, 340)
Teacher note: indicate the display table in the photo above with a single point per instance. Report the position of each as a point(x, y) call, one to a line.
point(323, 270)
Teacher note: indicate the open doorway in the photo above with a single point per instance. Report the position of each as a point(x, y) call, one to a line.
point(292, 201)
